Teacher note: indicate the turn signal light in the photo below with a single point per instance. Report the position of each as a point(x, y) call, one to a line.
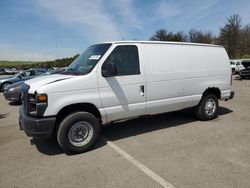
point(41, 98)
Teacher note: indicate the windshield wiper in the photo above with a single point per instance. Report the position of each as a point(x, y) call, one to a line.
point(72, 71)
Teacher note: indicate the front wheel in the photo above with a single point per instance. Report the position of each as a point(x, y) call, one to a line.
point(78, 132)
point(207, 108)
point(4, 85)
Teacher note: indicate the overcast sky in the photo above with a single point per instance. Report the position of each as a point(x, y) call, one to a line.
point(48, 29)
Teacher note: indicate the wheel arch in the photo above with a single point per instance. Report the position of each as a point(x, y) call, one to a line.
point(86, 107)
point(4, 83)
point(215, 90)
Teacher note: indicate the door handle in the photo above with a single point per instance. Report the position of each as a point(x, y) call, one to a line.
point(142, 90)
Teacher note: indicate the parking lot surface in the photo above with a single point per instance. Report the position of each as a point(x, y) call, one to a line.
point(173, 147)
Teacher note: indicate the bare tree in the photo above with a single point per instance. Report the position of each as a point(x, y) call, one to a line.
point(234, 37)
point(230, 35)
point(179, 37)
point(162, 35)
point(245, 38)
point(198, 36)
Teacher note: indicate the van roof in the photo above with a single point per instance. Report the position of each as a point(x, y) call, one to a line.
point(164, 42)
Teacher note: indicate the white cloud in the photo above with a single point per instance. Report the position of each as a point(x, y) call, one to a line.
point(89, 17)
point(126, 10)
point(167, 9)
point(99, 20)
point(182, 10)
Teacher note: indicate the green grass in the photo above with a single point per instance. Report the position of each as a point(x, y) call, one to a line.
point(16, 63)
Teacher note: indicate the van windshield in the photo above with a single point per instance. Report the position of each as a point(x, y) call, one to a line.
point(87, 60)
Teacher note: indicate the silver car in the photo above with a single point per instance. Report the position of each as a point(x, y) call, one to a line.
point(22, 76)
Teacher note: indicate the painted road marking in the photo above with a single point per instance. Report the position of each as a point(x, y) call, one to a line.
point(139, 165)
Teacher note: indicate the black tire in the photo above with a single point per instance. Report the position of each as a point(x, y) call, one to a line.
point(78, 123)
point(19, 99)
point(242, 77)
point(200, 110)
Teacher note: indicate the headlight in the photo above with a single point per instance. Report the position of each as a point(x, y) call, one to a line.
point(12, 89)
point(15, 89)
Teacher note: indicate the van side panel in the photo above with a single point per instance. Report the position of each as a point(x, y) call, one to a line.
point(177, 75)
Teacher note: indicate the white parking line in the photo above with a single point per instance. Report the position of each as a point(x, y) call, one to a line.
point(139, 165)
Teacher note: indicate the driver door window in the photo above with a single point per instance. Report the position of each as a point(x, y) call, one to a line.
point(126, 60)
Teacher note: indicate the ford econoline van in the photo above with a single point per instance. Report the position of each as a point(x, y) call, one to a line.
point(119, 80)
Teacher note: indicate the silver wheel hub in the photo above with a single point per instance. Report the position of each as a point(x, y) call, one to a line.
point(210, 106)
point(5, 85)
point(80, 133)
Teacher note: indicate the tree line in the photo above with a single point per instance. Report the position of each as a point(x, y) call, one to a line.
point(233, 36)
point(64, 62)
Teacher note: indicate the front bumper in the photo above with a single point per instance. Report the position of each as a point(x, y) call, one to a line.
point(36, 127)
point(245, 73)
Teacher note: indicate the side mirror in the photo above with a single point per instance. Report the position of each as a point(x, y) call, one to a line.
point(109, 70)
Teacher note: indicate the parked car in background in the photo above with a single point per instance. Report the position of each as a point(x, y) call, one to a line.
point(245, 73)
point(233, 66)
point(13, 91)
point(239, 66)
point(2, 71)
point(25, 75)
point(236, 65)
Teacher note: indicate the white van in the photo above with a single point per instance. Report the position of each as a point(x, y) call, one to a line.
point(114, 81)
point(239, 66)
point(236, 65)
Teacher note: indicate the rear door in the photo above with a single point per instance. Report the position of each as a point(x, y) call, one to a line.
point(123, 94)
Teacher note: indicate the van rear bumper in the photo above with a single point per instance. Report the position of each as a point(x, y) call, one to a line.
point(231, 95)
point(227, 95)
point(36, 127)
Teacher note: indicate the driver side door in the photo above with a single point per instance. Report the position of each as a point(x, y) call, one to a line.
point(123, 94)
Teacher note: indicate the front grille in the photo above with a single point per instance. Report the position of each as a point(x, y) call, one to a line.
point(30, 105)
point(245, 72)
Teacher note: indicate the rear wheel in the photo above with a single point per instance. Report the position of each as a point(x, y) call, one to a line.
point(207, 108)
point(242, 77)
point(78, 132)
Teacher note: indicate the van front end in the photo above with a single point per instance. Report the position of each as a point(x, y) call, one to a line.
point(31, 118)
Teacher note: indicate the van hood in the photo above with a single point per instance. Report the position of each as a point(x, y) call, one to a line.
point(38, 82)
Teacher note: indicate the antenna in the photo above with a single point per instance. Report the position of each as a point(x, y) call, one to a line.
point(56, 49)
